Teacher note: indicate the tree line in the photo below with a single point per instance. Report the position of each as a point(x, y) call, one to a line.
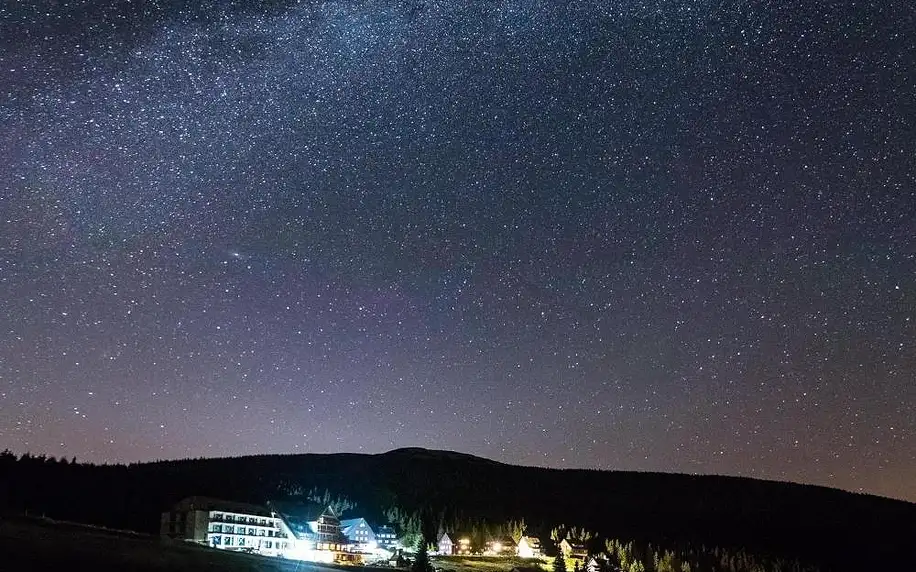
point(669, 522)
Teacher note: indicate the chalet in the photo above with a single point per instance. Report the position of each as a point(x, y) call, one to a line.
point(360, 535)
point(445, 546)
point(504, 546)
point(386, 537)
point(228, 525)
point(572, 549)
point(327, 529)
point(529, 547)
point(317, 532)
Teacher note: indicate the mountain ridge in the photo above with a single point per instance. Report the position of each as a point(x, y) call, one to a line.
point(448, 490)
point(424, 452)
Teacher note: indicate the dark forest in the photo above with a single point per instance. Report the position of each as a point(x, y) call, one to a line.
point(826, 528)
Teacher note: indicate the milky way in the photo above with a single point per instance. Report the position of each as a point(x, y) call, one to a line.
point(670, 236)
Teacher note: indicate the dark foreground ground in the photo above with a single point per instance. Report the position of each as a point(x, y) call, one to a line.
point(28, 544)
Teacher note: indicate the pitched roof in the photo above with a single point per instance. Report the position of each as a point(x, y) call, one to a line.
point(300, 516)
point(347, 525)
point(574, 546)
point(304, 511)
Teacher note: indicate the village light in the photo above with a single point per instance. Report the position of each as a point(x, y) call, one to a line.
point(497, 547)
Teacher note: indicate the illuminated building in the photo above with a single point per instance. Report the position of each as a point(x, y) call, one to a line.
point(228, 525)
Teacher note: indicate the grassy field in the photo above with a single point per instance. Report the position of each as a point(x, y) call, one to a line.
point(28, 544)
point(486, 563)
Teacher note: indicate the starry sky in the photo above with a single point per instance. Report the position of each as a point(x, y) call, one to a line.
point(645, 235)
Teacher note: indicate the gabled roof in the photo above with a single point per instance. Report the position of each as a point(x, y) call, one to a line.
point(301, 517)
point(304, 511)
point(531, 541)
point(446, 538)
point(346, 526)
point(574, 546)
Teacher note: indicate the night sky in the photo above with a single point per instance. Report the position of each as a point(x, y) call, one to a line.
point(665, 236)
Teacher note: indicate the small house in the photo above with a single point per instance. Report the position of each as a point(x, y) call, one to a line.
point(529, 547)
point(445, 546)
point(503, 546)
point(359, 533)
point(386, 537)
point(572, 549)
point(596, 563)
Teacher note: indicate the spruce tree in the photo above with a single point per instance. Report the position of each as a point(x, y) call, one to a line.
point(559, 563)
point(421, 561)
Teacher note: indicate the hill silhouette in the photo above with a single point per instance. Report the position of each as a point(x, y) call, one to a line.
point(838, 530)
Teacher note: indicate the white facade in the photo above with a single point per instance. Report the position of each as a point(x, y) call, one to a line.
point(529, 547)
point(386, 537)
point(265, 535)
point(360, 534)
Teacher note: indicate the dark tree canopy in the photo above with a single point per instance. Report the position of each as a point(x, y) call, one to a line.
point(421, 562)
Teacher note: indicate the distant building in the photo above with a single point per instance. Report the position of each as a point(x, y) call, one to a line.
point(464, 546)
point(360, 534)
point(327, 528)
point(317, 533)
point(596, 563)
point(504, 546)
point(445, 545)
point(386, 537)
point(529, 547)
point(571, 549)
point(227, 525)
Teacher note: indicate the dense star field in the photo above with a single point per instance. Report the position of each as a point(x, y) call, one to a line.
point(665, 236)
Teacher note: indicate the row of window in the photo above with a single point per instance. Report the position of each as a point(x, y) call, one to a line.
point(241, 519)
point(229, 529)
point(242, 543)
